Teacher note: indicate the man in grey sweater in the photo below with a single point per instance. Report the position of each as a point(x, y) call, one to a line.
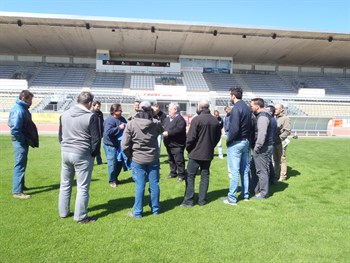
point(80, 141)
point(262, 148)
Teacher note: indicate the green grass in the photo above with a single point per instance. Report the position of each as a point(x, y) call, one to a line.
point(306, 219)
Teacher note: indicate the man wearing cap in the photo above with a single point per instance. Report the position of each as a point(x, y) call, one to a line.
point(175, 140)
point(140, 144)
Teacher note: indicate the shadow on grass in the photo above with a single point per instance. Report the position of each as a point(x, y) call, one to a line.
point(277, 187)
point(113, 206)
point(212, 196)
point(127, 180)
point(46, 188)
point(291, 172)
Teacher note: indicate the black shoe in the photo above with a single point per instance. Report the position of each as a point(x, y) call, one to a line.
point(87, 220)
point(181, 179)
point(186, 205)
point(171, 176)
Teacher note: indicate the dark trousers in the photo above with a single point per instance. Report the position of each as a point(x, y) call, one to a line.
point(176, 161)
point(192, 168)
point(262, 166)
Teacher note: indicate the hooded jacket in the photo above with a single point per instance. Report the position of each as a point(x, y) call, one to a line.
point(139, 142)
point(22, 127)
point(79, 131)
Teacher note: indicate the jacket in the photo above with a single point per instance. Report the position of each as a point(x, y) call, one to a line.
point(79, 132)
point(240, 123)
point(176, 132)
point(139, 142)
point(283, 128)
point(111, 131)
point(263, 131)
point(203, 136)
point(23, 129)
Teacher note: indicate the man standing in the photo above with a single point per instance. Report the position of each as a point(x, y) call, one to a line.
point(136, 110)
point(113, 128)
point(221, 122)
point(96, 109)
point(238, 157)
point(279, 151)
point(262, 148)
point(174, 141)
point(202, 137)
point(24, 134)
point(160, 116)
point(271, 110)
point(80, 140)
point(139, 144)
point(227, 109)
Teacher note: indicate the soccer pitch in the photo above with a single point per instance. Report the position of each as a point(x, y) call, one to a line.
point(305, 220)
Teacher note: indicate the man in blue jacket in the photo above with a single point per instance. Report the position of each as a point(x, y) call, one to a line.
point(238, 156)
point(24, 134)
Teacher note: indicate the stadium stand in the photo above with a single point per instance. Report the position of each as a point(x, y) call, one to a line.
point(108, 80)
point(142, 82)
point(194, 81)
point(7, 71)
point(267, 83)
point(333, 85)
point(322, 108)
point(221, 82)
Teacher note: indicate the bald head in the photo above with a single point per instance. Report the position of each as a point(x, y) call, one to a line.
point(279, 108)
point(203, 104)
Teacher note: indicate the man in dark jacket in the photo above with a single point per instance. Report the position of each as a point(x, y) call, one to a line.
point(238, 157)
point(24, 134)
point(96, 109)
point(80, 140)
point(175, 140)
point(203, 135)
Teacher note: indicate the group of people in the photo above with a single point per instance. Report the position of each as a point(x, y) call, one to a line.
point(135, 144)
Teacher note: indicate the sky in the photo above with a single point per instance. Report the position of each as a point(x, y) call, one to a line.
point(305, 15)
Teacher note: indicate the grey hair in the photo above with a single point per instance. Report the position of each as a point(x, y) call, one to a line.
point(175, 105)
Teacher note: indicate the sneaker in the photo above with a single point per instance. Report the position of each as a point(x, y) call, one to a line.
point(282, 179)
point(259, 196)
point(87, 220)
point(171, 176)
point(21, 196)
point(186, 205)
point(181, 179)
point(113, 185)
point(228, 202)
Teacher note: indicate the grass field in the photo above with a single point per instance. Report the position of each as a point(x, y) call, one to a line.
point(307, 218)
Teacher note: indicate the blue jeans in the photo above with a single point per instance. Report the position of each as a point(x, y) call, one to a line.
point(20, 164)
point(141, 173)
point(114, 167)
point(238, 160)
point(81, 166)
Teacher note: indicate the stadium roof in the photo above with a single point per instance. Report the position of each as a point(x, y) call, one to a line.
point(77, 36)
